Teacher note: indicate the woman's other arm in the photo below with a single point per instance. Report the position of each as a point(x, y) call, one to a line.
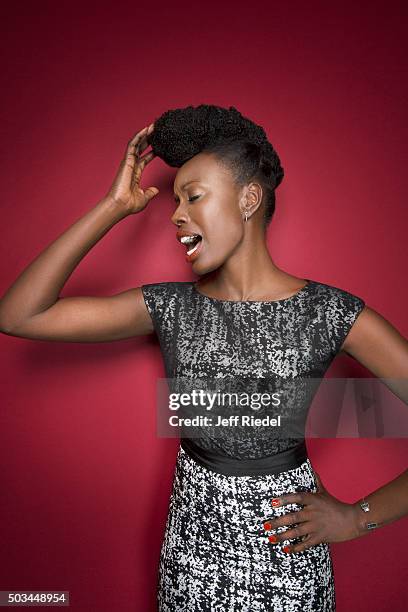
point(32, 308)
point(379, 346)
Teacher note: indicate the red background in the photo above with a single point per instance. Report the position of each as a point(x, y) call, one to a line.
point(85, 481)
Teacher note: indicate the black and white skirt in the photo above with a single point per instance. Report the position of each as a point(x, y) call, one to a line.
point(216, 556)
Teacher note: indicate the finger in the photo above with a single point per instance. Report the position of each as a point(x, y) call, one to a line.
point(301, 546)
point(141, 145)
point(307, 536)
point(135, 146)
point(294, 532)
point(298, 516)
point(139, 135)
point(128, 163)
point(148, 157)
point(142, 161)
point(301, 497)
point(150, 193)
point(141, 139)
point(138, 169)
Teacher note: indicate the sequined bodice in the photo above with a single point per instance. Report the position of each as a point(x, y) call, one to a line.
point(285, 340)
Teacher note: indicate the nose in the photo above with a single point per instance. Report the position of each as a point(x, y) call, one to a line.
point(180, 215)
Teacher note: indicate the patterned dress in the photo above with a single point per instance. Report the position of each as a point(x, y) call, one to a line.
point(215, 555)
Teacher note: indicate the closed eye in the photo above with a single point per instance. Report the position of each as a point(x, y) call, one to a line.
point(189, 199)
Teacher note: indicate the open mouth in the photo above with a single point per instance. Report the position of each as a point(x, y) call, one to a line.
point(192, 243)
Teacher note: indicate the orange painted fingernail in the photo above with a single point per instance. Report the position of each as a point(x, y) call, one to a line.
point(272, 538)
point(275, 502)
point(267, 526)
point(286, 549)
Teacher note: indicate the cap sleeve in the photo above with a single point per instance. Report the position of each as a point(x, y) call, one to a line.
point(161, 303)
point(341, 312)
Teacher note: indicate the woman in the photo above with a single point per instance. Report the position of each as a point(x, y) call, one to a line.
point(249, 521)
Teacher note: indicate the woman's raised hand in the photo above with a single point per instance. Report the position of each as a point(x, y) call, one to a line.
point(32, 306)
point(126, 190)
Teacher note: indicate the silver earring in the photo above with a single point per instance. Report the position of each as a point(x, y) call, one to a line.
point(246, 216)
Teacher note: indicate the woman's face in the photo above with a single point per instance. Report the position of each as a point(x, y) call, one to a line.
point(208, 205)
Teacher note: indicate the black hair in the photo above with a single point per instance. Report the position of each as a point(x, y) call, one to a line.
point(238, 143)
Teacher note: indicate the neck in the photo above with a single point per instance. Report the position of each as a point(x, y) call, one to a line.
point(250, 271)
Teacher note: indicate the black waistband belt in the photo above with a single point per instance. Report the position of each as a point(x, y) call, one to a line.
point(271, 464)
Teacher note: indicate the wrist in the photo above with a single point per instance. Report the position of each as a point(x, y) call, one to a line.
point(363, 520)
point(113, 208)
point(359, 519)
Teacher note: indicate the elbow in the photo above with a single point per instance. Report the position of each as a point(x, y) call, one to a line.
point(7, 328)
point(8, 324)
point(8, 320)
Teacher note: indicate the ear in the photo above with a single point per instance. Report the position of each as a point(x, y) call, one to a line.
point(251, 198)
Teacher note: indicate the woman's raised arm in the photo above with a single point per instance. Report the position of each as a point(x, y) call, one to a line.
point(32, 308)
